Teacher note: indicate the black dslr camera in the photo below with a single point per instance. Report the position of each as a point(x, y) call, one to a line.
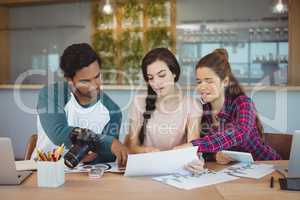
point(83, 141)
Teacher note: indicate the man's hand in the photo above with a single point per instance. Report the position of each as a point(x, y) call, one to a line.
point(223, 159)
point(120, 151)
point(89, 157)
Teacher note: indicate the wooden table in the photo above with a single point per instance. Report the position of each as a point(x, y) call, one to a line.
point(116, 186)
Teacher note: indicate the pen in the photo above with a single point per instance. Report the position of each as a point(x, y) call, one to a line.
point(44, 156)
point(272, 182)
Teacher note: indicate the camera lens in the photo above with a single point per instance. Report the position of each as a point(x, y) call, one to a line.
point(75, 155)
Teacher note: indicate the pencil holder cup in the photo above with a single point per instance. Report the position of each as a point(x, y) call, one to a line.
point(50, 174)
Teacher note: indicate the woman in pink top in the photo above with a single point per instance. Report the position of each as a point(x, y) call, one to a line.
point(163, 118)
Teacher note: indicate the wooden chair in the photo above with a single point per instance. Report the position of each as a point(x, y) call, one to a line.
point(30, 146)
point(281, 142)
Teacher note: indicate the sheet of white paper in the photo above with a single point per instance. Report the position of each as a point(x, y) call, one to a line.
point(24, 165)
point(188, 182)
point(255, 171)
point(159, 163)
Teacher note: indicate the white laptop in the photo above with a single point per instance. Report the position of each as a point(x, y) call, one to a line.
point(293, 168)
point(8, 173)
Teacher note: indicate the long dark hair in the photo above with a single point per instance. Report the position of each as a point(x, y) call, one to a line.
point(218, 62)
point(165, 55)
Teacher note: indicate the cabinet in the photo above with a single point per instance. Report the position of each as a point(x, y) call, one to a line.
point(254, 59)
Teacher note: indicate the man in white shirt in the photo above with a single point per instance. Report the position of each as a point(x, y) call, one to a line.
point(79, 102)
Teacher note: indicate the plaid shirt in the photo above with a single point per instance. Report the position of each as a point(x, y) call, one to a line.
point(237, 130)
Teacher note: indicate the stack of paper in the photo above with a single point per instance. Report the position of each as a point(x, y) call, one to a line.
point(24, 165)
point(188, 182)
point(255, 171)
point(183, 180)
point(86, 168)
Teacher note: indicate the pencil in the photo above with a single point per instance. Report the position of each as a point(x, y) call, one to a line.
point(59, 151)
point(272, 182)
point(42, 155)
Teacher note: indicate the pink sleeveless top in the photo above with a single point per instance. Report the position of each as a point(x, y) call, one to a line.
point(166, 129)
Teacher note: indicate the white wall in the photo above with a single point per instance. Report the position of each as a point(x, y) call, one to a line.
point(45, 29)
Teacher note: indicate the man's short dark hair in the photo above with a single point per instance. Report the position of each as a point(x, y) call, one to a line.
point(76, 57)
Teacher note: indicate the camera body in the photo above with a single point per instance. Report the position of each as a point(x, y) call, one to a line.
point(83, 140)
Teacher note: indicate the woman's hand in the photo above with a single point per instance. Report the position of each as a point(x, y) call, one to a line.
point(223, 159)
point(195, 167)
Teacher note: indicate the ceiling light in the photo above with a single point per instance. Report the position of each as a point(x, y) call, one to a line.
point(107, 8)
point(279, 7)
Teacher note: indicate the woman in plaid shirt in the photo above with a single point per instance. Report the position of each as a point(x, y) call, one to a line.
point(229, 120)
